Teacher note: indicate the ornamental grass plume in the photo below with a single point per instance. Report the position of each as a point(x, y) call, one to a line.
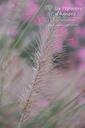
point(38, 89)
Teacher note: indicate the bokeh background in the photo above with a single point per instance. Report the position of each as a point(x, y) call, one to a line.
point(69, 51)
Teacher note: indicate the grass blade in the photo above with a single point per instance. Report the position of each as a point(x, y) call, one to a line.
point(19, 39)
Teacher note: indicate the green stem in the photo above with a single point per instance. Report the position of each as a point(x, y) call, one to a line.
point(65, 115)
point(19, 39)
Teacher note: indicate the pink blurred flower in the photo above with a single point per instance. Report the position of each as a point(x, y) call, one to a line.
point(2, 9)
point(67, 3)
point(79, 3)
point(11, 5)
point(81, 54)
point(82, 66)
point(12, 31)
point(73, 42)
point(79, 16)
point(30, 11)
point(39, 20)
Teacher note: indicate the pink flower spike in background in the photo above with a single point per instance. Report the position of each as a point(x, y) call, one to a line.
point(11, 5)
point(82, 66)
point(81, 54)
point(79, 17)
point(12, 31)
point(2, 9)
point(79, 3)
point(30, 11)
point(66, 4)
point(73, 42)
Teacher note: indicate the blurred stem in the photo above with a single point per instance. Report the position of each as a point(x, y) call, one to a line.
point(70, 111)
point(63, 116)
point(73, 100)
point(19, 39)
